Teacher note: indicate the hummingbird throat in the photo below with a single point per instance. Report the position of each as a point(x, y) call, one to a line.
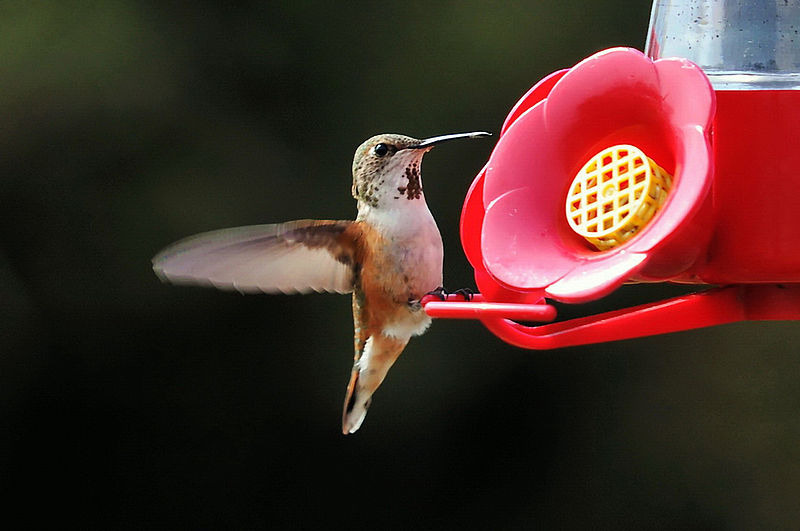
point(413, 189)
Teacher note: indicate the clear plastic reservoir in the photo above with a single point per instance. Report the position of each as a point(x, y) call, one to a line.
point(740, 44)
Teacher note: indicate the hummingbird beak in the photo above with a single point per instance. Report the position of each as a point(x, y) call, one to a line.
point(430, 142)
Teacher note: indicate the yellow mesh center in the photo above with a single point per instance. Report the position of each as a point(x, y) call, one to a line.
point(615, 194)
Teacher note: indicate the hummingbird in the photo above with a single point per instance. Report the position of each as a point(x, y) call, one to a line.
point(389, 257)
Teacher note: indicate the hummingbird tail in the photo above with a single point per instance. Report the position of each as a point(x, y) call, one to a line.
point(355, 407)
point(369, 370)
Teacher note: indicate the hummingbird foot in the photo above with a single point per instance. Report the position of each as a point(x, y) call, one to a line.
point(442, 293)
point(467, 293)
point(439, 292)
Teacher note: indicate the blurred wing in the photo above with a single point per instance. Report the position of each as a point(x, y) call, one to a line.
point(294, 257)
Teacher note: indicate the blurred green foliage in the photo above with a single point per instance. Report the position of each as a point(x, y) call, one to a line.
point(126, 403)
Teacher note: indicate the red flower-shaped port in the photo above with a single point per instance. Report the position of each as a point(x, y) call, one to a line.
point(514, 228)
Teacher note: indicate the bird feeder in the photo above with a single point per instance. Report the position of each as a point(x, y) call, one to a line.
point(680, 165)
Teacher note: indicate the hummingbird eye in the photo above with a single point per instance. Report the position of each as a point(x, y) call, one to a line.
point(380, 149)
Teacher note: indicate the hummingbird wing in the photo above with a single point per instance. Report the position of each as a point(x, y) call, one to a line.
point(294, 257)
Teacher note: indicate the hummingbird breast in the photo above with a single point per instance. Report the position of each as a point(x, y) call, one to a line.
point(402, 262)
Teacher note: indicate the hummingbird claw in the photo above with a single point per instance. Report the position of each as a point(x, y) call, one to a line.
point(467, 293)
point(439, 292)
point(442, 293)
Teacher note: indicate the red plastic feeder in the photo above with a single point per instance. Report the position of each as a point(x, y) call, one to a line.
point(628, 169)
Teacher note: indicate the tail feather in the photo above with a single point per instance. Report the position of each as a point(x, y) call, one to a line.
point(356, 404)
point(369, 370)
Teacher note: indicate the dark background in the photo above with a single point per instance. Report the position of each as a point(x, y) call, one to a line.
point(126, 403)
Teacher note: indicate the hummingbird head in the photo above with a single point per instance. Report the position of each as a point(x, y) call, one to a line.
point(386, 168)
